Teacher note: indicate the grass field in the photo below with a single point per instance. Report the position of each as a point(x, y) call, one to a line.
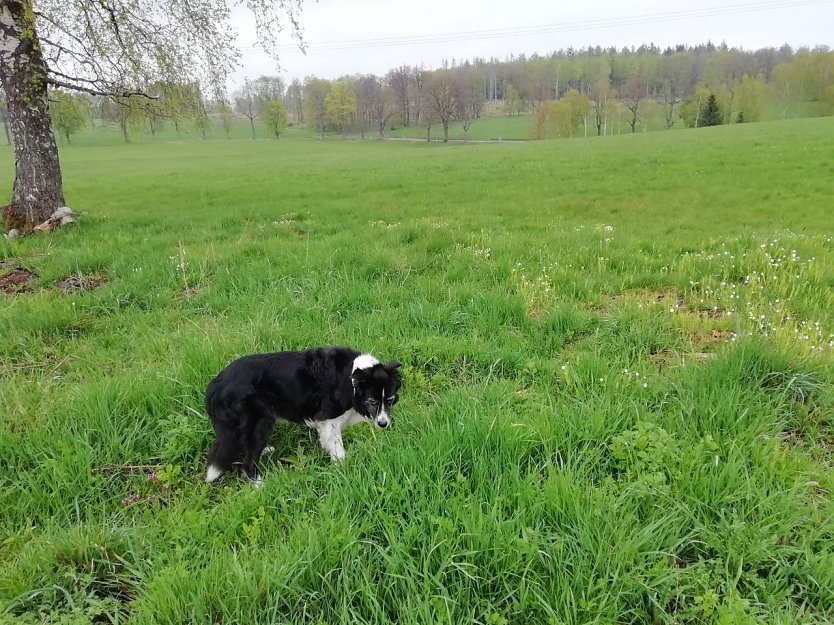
point(487, 128)
point(618, 391)
point(515, 128)
point(104, 134)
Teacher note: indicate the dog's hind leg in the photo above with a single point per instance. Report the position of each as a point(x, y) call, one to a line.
point(222, 454)
point(256, 446)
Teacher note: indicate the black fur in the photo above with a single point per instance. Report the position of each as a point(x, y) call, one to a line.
point(305, 387)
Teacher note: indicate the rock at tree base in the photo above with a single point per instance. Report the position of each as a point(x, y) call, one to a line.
point(60, 217)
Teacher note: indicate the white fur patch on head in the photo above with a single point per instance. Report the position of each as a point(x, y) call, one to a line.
point(364, 361)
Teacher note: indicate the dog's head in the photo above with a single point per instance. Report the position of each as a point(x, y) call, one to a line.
point(375, 387)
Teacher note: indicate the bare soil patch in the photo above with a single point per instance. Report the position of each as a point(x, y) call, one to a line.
point(78, 282)
point(669, 357)
point(666, 295)
point(14, 279)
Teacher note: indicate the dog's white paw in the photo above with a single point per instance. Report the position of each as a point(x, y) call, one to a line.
point(259, 483)
point(269, 449)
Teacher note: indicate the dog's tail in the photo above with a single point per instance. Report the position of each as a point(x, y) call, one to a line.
point(210, 400)
point(222, 452)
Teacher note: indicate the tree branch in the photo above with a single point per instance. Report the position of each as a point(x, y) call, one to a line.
point(74, 78)
point(113, 21)
point(110, 94)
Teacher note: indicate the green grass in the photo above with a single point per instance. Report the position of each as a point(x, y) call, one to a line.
point(108, 134)
point(611, 413)
point(515, 128)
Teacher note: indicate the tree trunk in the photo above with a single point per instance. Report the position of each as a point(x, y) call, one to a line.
point(445, 131)
point(466, 126)
point(252, 123)
point(698, 112)
point(38, 187)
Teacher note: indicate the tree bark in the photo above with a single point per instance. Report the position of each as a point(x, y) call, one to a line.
point(38, 186)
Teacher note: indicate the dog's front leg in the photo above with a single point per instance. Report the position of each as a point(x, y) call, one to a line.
point(330, 436)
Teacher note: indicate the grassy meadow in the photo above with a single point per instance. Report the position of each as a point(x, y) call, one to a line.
point(618, 394)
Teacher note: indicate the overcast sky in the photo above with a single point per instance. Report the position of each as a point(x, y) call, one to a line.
point(428, 31)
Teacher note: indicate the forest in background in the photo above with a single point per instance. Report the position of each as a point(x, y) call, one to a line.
point(567, 93)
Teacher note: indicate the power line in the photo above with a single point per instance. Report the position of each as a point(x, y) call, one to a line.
point(522, 31)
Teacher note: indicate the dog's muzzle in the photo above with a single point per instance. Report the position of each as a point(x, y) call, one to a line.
point(382, 421)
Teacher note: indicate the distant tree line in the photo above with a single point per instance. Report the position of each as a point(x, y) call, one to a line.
point(567, 93)
point(571, 92)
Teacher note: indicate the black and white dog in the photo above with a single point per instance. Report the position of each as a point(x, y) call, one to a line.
point(324, 388)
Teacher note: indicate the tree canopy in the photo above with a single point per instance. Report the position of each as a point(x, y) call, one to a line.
point(114, 46)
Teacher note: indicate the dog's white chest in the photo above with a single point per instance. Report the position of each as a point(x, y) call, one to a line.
point(330, 432)
point(350, 417)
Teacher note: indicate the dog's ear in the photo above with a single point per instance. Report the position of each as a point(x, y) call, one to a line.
point(393, 370)
point(359, 376)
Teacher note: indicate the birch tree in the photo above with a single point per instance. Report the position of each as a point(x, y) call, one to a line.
point(107, 47)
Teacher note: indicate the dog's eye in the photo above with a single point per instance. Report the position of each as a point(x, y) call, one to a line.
point(392, 400)
point(372, 402)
